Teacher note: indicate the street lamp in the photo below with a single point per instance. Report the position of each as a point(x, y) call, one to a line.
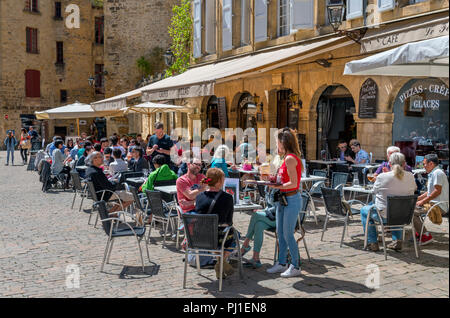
point(256, 98)
point(336, 16)
point(91, 81)
point(169, 57)
point(295, 100)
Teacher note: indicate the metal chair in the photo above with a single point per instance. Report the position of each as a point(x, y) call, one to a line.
point(155, 204)
point(425, 215)
point(399, 214)
point(162, 183)
point(129, 174)
point(334, 207)
point(299, 227)
point(79, 188)
point(202, 235)
point(94, 196)
point(113, 231)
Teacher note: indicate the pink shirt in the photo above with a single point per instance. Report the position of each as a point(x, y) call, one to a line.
point(184, 183)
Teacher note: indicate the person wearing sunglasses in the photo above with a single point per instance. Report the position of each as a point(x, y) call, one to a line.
point(344, 151)
point(189, 186)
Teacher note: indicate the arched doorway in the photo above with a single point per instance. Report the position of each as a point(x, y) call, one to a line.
point(335, 120)
point(246, 112)
point(212, 113)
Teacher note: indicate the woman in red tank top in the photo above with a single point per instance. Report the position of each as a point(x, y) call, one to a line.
point(289, 204)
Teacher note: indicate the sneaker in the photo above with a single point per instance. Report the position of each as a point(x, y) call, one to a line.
point(291, 272)
point(395, 245)
point(277, 268)
point(426, 239)
point(252, 264)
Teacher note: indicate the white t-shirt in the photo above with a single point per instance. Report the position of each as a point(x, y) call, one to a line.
point(388, 184)
point(438, 177)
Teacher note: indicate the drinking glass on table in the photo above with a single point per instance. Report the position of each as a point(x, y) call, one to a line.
point(371, 179)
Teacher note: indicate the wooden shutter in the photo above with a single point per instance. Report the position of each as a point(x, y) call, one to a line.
point(260, 20)
point(227, 28)
point(302, 14)
point(245, 22)
point(59, 52)
point(210, 26)
point(32, 83)
point(385, 5)
point(197, 28)
point(354, 9)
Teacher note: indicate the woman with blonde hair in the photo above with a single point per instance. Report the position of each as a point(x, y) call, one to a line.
point(395, 182)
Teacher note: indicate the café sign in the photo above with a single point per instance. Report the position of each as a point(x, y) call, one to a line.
point(428, 30)
point(417, 95)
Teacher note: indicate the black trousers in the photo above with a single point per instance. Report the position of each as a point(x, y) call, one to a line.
point(24, 154)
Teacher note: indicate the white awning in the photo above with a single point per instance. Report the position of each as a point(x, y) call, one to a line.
point(428, 58)
point(73, 111)
point(200, 81)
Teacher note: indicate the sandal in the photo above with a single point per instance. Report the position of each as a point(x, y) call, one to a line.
point(252, 264)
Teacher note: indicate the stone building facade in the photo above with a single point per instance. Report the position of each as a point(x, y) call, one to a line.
point(297, 91)
point(133, 28)
point(46, 60)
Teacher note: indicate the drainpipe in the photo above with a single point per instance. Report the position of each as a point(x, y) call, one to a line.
point(365, 12)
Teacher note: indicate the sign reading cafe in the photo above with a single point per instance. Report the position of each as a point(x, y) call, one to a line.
point(422, 96)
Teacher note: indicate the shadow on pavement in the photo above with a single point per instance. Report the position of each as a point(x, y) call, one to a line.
point(324, 284)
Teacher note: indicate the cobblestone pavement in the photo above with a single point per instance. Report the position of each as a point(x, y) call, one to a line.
point(41, 235)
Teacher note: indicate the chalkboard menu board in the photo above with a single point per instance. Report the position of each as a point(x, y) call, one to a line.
point(293, 118)
point(368, 98)
point(222, 107)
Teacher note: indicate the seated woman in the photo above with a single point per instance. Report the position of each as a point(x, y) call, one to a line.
point(162, 173)
point(223, 207)
point(259, 222)
point(58, 164)
point(395, 182)
point(95, 174)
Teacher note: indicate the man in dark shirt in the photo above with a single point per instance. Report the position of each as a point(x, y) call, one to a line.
point(138, 163)
point(344, 151)
point(160, 143)
point(95, 174)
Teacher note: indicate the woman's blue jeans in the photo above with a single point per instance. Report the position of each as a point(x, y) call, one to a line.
point(372, 236)
point(258, 223)
point(286, 220)
point(8, 151)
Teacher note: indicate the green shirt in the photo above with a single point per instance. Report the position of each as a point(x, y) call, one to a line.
point(163, 173)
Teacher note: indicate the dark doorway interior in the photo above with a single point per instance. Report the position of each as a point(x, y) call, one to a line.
point(212, 113)
point(61, 131)
point(335, 119)
point(287, 115)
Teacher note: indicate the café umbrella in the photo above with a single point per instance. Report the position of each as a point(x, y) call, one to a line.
point(429, 58)
point(76, 111)
point(149, 108)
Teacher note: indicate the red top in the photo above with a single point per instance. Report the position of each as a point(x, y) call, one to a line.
point(283, 173)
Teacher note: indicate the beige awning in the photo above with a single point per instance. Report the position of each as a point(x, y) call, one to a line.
point(200, 80)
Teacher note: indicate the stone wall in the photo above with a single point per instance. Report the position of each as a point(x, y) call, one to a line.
point(80, 57)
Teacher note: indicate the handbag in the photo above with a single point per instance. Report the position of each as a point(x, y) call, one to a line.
point(435, 214)
point(25, 144)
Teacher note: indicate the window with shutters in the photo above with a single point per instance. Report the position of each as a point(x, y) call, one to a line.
point(99, 27)
point(99, 79)
point(31, 6)
point(32, 40)
point(245, 22)
point(283, 17)
point(227, 25)
point(260, 16)
point(210, 26)
point(58, 12)
point(59, 53)
point(198, 13)
point(32, 83)
point(355, 9)
point(386, 5)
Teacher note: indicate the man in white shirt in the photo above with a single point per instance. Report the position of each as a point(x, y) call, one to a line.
point(118, 166)
point(437, 190)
